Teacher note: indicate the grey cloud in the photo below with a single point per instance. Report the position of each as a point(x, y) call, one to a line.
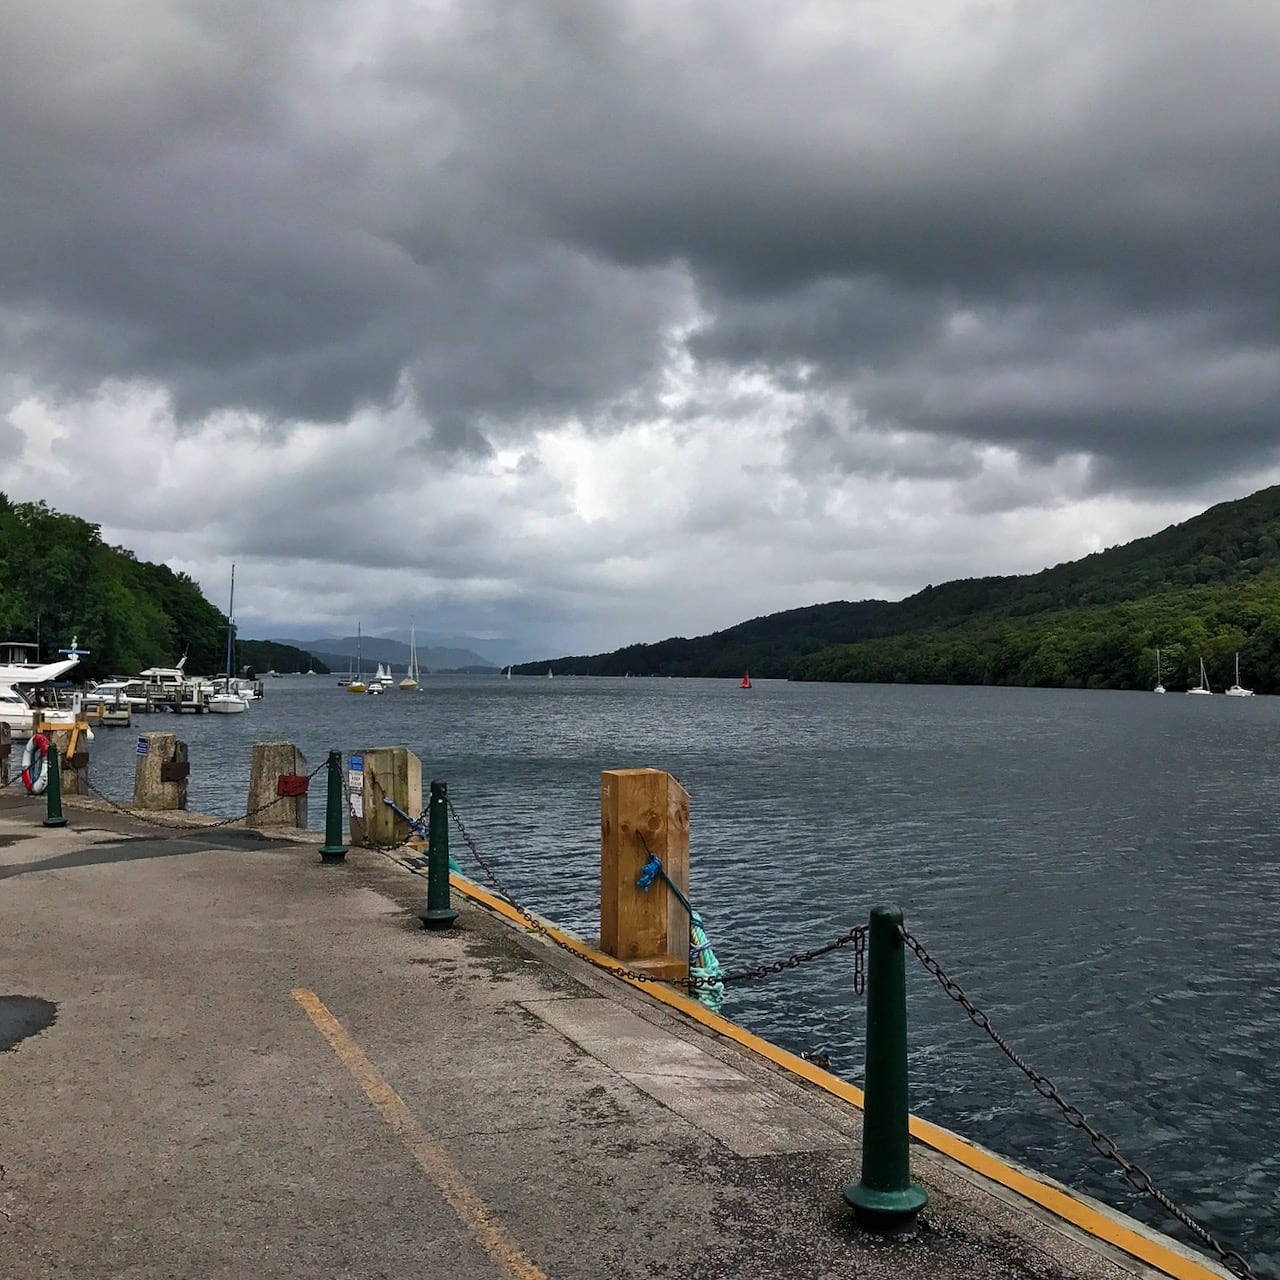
point(501, 215)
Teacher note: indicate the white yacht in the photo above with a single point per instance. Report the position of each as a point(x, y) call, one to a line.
point(1203, 686)
point(1238, 690)
point(20, 667)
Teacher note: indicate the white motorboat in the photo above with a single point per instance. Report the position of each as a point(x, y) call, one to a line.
point(118, 692)
point(19, 713)
point(19, 664)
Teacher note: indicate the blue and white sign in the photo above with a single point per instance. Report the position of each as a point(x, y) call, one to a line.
point(144, 746)
point(355, 784)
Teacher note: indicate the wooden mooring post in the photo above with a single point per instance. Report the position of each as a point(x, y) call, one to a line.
point(376, 775)
point(644, 811)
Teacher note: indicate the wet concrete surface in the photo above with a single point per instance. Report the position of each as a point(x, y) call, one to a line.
point(186, 1116)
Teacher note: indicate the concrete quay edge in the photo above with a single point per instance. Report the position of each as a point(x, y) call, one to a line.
point(1071, 1227)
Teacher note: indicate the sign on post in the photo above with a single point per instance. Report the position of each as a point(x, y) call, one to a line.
point(355, 783)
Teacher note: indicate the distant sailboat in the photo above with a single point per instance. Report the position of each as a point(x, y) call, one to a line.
point(1159, 683)
point(410, 681)
point(356, 683)
point(228, 700)
point(1237, 690)
point(1203, 686)
point(745, 682)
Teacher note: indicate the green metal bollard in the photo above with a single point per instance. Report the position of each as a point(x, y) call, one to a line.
point(333, 850)
point(438, 914)
point(53, 790)
point(886, 1200)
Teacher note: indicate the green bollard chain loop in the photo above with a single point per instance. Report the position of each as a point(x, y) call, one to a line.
point(438, 914)
point(886, 1200)
point(53, 792)
point(333, 850)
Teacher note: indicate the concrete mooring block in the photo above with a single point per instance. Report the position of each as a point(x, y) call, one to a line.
point(271, 762)
point(160, 775)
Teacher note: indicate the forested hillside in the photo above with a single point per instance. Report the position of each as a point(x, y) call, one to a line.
point(1208, 587)
point(59, 580)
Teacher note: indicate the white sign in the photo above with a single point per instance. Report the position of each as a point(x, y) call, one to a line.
point(355, 784)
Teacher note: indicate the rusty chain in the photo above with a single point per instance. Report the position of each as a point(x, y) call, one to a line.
point(1134, 1174)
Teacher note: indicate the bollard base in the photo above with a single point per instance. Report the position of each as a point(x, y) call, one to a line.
point(55, 822)
point(335, 853)
point(437, 917)
point(886, 1213)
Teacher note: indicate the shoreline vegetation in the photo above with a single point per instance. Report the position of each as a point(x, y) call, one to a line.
point(1207, 588)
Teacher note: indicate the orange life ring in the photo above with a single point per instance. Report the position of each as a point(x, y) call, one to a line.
point(35, 785)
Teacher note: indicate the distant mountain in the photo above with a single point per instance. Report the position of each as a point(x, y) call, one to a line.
point(337, 652)
point(1207, 588)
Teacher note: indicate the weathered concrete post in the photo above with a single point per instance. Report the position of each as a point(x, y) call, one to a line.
point(271, 762)
point(644, 811)
point(160, 775)
point(6, 751)
point(393, 773)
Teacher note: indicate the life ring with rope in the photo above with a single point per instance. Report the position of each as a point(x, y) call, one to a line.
point(36, 784)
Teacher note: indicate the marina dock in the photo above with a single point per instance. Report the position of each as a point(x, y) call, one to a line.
point(258, 1065)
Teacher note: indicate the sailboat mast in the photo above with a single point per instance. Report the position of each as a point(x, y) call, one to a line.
point(231, 624)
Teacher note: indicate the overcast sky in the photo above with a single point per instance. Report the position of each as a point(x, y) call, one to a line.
point(587, 322)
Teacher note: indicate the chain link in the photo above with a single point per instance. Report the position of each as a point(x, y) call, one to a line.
point(856, 935)
point(535, 925)
point(351, 813)
point(186, 826)
point(1134, 1174)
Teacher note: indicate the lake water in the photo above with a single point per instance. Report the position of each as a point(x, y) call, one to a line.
point(1100, 871)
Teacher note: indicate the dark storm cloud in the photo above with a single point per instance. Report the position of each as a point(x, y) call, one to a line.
point(211, 199)
point(1045, 227)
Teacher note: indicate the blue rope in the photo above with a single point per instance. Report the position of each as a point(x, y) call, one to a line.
point(704, 969)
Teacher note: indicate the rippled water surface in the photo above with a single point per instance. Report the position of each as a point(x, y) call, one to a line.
point(1100, 871)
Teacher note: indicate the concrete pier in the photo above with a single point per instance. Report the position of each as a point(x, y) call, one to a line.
point(259, 1065)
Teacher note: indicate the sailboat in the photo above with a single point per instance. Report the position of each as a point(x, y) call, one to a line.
point(1159, 683)
point(745, 682)
point(356, 683)
point(1237, 690)
point(228, 700)
point(410, 681)
point(1203, 686)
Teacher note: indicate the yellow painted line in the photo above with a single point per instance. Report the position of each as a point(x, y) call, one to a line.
point(1100, 1225)
point(431, 1157)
